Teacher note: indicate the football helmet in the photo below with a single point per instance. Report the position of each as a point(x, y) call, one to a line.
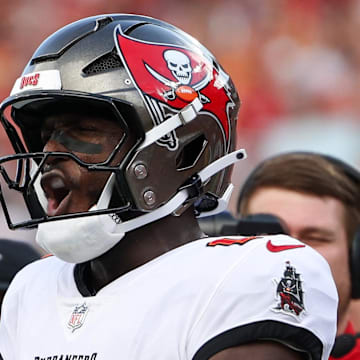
point(176, 104)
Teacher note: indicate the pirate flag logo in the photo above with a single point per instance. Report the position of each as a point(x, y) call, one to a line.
point(169, 77)
point(289, 293)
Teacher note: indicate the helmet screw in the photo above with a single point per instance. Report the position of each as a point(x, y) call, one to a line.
point(127, 81)
point(149, 197)
point(140, 171)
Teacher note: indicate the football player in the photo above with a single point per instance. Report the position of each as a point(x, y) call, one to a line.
point(123, 129)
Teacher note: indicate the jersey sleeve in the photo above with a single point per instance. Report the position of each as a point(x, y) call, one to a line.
point(275, 289)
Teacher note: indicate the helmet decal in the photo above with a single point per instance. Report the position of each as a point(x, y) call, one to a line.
point(169, 77)
point(40, 80)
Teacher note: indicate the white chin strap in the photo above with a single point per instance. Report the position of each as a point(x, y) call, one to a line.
point(81, 239)
point(180, 198)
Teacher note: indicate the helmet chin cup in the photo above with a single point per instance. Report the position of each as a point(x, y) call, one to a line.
point(58, 237)
point(94, 236)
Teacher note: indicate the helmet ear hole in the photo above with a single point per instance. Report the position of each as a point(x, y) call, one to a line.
point(190, 153)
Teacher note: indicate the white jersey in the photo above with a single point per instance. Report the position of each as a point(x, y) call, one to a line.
point(187, 304)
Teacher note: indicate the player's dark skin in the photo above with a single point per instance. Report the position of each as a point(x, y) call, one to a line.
point(139, 246)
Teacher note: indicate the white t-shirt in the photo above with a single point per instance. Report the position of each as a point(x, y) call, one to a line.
point(187, 304)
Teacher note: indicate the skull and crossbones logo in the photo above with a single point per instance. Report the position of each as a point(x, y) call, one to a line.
point(180, 66)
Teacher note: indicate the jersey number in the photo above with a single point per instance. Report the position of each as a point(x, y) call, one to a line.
point(228, 242)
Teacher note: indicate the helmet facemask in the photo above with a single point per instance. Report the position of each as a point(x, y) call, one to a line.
point(22, 172)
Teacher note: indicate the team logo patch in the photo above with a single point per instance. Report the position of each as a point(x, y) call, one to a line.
point(78, 317)
point(169, 77)
point(289, 293)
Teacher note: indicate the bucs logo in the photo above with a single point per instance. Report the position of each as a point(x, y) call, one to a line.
point(290, 293)
point(169, 77)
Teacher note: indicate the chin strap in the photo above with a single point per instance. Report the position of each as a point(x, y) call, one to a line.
point(222, 203)
point(177, 201)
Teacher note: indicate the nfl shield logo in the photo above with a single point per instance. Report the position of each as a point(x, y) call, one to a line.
point(78, 316)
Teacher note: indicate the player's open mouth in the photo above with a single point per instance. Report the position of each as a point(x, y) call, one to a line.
point(57, 192)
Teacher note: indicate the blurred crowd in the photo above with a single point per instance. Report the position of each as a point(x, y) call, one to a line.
point(296, 63)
